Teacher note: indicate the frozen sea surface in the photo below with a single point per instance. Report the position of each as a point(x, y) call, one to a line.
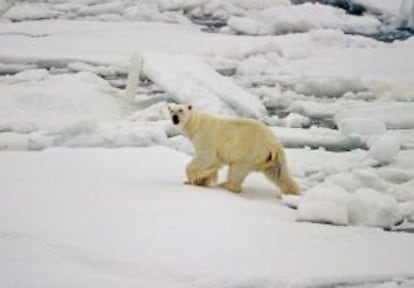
point(101, 217)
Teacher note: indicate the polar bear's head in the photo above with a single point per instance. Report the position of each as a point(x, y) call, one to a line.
point(179, 113)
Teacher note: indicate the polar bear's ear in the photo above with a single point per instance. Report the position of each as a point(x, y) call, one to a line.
point(189, 107)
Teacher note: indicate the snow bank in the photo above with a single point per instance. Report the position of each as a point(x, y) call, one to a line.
point(371, 208)
point(301, 18)
point(324, 204)
point(187, 79)
point(41, 101)
point(332, 204)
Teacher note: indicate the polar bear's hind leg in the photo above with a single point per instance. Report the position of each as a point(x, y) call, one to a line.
point(279, 174)
point(236, 175)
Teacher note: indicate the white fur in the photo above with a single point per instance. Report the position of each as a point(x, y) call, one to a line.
point(245, 145)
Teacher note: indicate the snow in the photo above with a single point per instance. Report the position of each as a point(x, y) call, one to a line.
point(385, 149)
point(300, 18)
point(383, 209)
point(316, 137)
point(398, 115)
point(29, 99)
point(121, 219)
point(406, 15)
point(361, 126)
point(324, 204)
point(33, 11)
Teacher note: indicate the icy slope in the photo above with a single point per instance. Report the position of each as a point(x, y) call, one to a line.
point(105, 218)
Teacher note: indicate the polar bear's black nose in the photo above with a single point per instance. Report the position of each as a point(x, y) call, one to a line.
point(175, 119)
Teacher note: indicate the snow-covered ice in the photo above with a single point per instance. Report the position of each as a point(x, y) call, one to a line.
point(341, 103)
point(300, 18)
point(104, 218)
point(188, 80)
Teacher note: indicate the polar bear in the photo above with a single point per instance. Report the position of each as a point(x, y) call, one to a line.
point(245, 145)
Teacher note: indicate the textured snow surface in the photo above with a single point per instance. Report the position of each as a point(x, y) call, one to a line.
point(96, 217)
point(104, 218)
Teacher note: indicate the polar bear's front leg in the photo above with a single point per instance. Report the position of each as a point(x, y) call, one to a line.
point(201, 172)
point(237, 174)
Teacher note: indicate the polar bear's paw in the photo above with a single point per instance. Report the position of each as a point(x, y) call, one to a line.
point(201, 180)
point(236, 188)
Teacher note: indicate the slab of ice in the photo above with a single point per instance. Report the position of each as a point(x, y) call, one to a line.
point(395, 115)
point(30, 11)
point(316, 137)
point(361, 126)
point(187, 79)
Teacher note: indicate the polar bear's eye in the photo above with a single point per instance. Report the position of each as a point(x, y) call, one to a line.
point(180, 111)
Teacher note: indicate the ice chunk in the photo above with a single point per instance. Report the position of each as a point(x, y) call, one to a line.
point(252, 66)
point(407, 209)
point(358, 178)
point(325, 203)
point(369, 207)
point(385, 149)
point(113, 7)
point(395, 115)
point(294, 120)
point(189, 80)
point(406, 15)
point(404, 192)
point(30, 11)
point(323, 86)
point(361, 126)
point(317, 137)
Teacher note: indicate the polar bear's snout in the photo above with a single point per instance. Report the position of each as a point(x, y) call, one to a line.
point(175, 119)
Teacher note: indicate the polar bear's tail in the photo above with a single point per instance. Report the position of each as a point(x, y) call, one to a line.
point(278, 172)
point(133, 74)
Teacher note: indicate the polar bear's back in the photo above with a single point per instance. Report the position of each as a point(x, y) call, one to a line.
point(244, 140)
